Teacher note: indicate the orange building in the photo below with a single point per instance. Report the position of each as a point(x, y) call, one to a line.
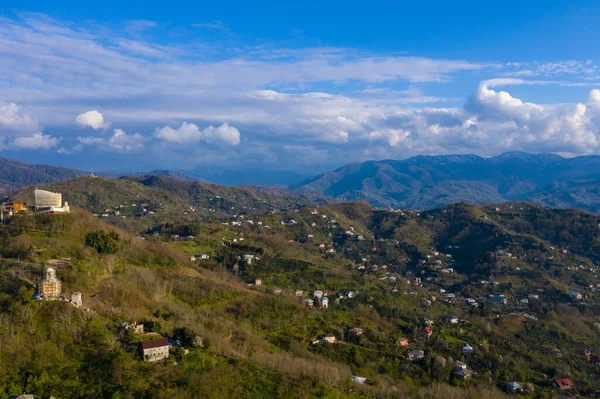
point(15, 207)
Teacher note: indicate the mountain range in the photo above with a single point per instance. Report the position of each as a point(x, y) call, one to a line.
point(427, 182)
point(422, 182)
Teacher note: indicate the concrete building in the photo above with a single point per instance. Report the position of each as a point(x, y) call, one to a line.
point(49, 202)
point(155, 349)
point(50, 285)
point(76, 299)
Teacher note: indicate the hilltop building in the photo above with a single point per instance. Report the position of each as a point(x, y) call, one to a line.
point(49, 202)
point(14, 207)
point(155, 349)
point(50, 285)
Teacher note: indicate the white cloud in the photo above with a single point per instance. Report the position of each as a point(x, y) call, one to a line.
point(139, 25)
point(12, 118)
point(211, 25)
point(36, 141)
point(189, 133)
point(90, 140)
point(93, 119)
point(343, 104)
point(119, 141)
point(223, 134)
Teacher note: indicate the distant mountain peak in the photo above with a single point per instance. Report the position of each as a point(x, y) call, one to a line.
point(426, 182)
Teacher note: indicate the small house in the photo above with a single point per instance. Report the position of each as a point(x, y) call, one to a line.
point(514, 387)
point(402, 341)
point(459, 365)
point(416, 354)
point(318, 294)
point(309, 302)
point(462, 374)
point(329, 338)
point(355, 332)
point(155, 349)
point(324, 302)
point(575, 295)
point(258, 281)
point(426, 331)
point(498, 299)
point(299, 293)
point(564, 384)
point(452, 319)
point(467, 349)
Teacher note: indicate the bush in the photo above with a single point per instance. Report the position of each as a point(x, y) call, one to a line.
point(103, 242)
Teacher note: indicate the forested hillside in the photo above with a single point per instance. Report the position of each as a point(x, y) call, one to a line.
point(412, 299)
point(427, 182)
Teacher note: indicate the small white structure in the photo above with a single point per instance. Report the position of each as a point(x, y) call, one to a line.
point(258, 281)
point(309, 302)
point(318, 294)
point(76, 299)
point(358, 380)
point(324, 302)
point(329, 338)
point(467, 349)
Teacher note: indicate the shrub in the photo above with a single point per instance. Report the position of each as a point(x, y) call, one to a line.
point(103, 242)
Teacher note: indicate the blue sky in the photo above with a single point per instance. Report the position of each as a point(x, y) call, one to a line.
point(306, 86)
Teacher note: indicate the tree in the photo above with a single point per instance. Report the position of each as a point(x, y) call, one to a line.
point(103, 242)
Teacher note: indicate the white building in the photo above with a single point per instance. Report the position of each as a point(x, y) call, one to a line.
point(324, 302)
point(76, 299)
point(49, 202)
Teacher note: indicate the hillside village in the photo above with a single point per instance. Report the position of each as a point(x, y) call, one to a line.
point(326, 299)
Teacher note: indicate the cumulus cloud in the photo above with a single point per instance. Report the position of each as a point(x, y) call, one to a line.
point(35, 141)
point(189, 133)
point(119, 141)
point(344, 105)
point(93, 119)
point(13, 118)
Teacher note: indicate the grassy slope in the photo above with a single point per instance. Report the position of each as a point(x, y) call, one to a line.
point(259, 342)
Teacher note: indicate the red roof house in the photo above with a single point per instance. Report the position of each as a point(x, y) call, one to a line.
point(564, 383)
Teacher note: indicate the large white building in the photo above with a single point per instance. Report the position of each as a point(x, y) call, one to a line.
point(47, 201)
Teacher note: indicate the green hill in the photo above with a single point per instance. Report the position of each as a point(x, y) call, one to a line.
point(138, 203)
point(386, 273)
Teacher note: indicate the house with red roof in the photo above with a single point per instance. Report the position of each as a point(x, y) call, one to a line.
point(155, 349)
point(427, 331)
point(564, 383)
